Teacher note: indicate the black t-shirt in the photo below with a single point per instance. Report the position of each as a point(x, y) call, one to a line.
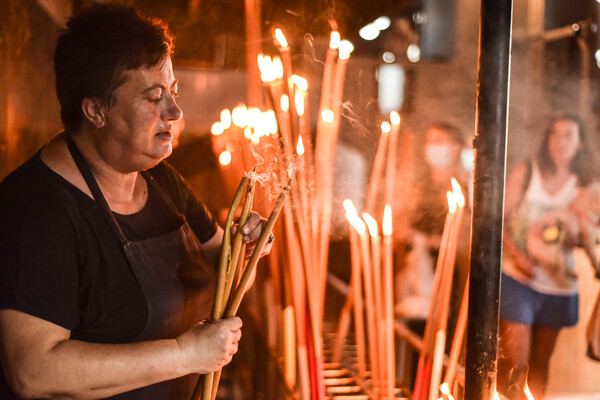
point(60, 261)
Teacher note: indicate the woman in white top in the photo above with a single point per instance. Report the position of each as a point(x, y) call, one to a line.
point(536, 300)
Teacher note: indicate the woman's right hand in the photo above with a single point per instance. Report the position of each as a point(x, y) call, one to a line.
point(209, 346)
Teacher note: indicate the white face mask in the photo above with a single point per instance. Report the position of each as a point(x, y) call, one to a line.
point(438, 155)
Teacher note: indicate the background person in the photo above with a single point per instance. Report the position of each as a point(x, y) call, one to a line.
point(536, 303)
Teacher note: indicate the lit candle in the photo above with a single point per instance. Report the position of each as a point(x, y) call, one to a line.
point(391, 161)
point(376, 172)
point(388, 279)
point(355, 256)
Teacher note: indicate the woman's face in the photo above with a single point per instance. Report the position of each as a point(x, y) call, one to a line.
point(139, 128)
point(564, 141)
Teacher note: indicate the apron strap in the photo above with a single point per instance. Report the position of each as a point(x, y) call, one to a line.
point(85, 170)
point(163, 195)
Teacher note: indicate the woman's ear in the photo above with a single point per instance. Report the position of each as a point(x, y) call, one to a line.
point(93, 111)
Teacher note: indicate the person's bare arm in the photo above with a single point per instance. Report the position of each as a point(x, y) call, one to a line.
point(512, 199)
point(41, 361)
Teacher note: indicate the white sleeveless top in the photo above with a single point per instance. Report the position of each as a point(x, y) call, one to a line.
point(537, 202)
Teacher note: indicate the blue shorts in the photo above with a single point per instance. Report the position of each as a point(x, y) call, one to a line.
point(519, 303)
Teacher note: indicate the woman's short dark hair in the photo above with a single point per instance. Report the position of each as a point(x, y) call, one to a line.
point(582, 164)
point(98, 47)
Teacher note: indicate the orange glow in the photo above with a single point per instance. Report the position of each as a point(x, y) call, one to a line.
point(346, 47)
point(300, 82)
point(300, 146)
point(284, 103)
point(387, 220)
point(216, 128)
point(452, 206)
point(280, 37)
point(371, 224)
point(386, 127)
point(327, 115)
point(458, 195)
point(277, 67)
point(528, 392)
point(445, 391)
point(239, 115)
point(299, 101)
point(395, 118)
point(265, 65)
point(225, 158)
point(334, 40)
point(226, 118)
point(496, 396)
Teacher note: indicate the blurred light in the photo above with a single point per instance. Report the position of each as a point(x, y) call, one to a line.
point(390, 82)
point(386, 127)
point(346, 47)
point(253, 116)
point(248, 132)
point(225, 158)
point(327, 115)
point(334, 40)
point(277, 67)
point(389, 57)
point(300, 146)
point(239, 115)
point(271, 121)
point(216, 128)
point(226, 118)
point(369, 32)
point(230, 147)
point(300, 82)
point(597, 55)
point(395, 118)
point(284, 103)
point(413, 52)
point(280, 37)
point(299, 101)
point(382, 23)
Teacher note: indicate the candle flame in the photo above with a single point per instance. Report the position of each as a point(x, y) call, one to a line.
point(334, 40)
point(451, 202)
point(239, 115)
point(387, 220)
point(349, 207)
point(386, 127)
point(458, 195)
point(371, 224)
point(216, 128)
point(284, 103)
point(265, 65)
point(226, 118)
point(327, 115)
point(253, 116)
point(248, 133)
point(300, 82)
point(496, 396)
point(271, 121)
point(280, 37)
point(225, 158)
point(299, 101)
point(528, 392)
point(395, 118)
point(277, 67)
point(346, 47)
point(300, 146)
point(357, 223)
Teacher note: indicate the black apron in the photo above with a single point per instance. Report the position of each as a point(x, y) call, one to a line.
point(176, 277)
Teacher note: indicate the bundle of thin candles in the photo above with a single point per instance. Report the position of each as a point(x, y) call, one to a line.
point(429, 369)
point(230, 291)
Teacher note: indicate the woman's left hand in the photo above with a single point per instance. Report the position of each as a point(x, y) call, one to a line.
point(251, 231)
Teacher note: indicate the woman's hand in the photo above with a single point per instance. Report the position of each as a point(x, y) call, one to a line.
point(251, 231)
point(209, 346)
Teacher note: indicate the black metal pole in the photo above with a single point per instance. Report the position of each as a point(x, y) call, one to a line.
point(488, 198)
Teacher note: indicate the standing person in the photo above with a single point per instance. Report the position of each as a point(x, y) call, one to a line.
point(106, 255)
point(534, 303)
point(426, 214)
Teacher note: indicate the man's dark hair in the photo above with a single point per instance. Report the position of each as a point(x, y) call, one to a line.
point(99, 46)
